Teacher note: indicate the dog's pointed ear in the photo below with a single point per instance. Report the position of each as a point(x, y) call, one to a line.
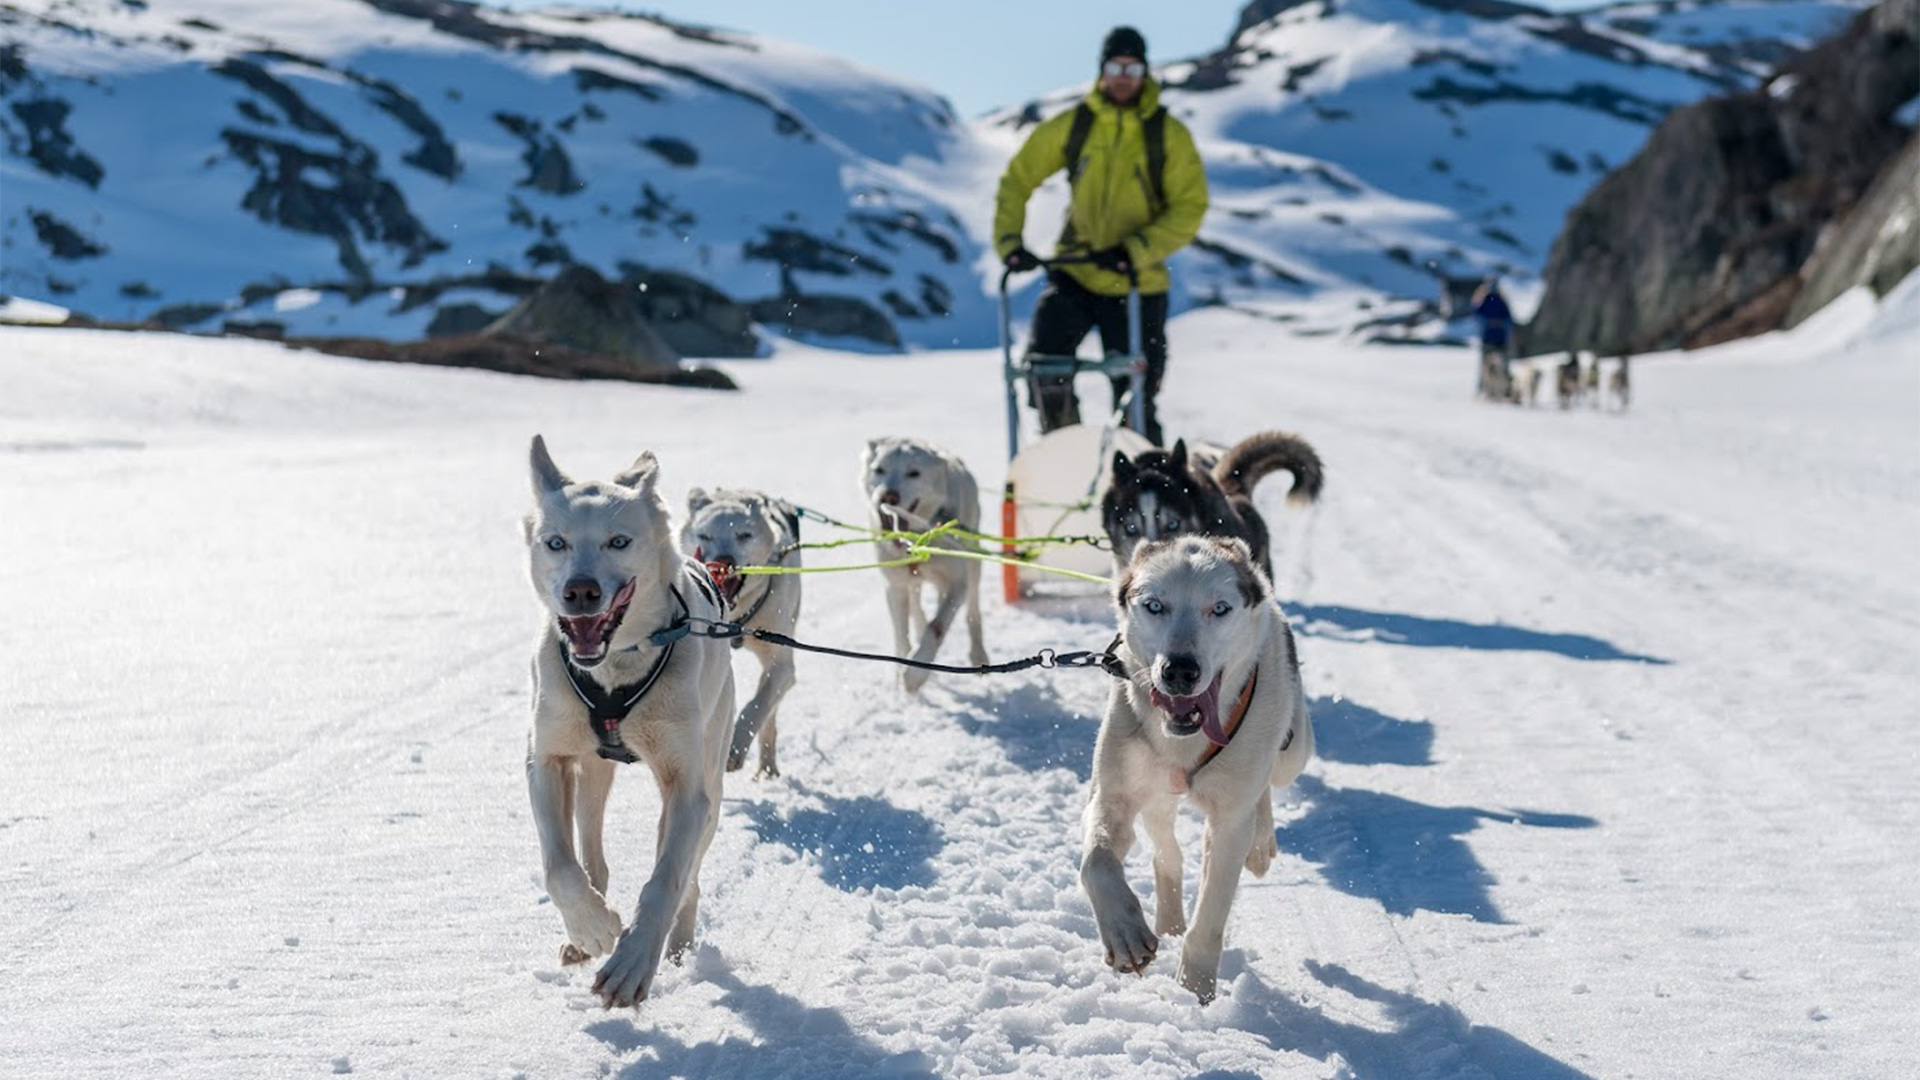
point(1179, 456)
point(1123, 470)
point(870, 454)
point(697, 500)
point(547, 477)
point(641, 475)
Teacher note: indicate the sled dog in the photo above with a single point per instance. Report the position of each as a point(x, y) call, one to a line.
point(604, 565)
point(1211, 708)
point(1619, 385)
point(1590, 383)
point(911, 486)
point(1566, 381)
point(1162, 494)
point(725, 531)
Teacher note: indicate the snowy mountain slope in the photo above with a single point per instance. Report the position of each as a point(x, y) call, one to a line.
point(350, 166)
point(1615, 718)
point(386, 166)
point(1352, 144)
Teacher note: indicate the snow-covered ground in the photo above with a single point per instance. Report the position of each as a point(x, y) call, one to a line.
point(1617, 716)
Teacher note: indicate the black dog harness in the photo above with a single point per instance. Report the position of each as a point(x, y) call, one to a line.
point(606, 709)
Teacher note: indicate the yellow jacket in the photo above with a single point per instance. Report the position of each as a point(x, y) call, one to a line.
point(1112, 199)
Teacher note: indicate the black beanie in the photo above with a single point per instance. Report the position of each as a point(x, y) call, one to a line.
point(1123, 41)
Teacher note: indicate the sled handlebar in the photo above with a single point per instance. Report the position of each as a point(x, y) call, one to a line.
point(1006, 275)
point(1133, 363)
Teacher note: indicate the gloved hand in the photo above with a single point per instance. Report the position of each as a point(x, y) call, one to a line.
point(1114, 258)
point(1020, 260)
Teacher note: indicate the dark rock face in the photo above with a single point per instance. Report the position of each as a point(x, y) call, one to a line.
point(462, 318)
point(693, 317)
point(815, 315)
point(515, 355)
point(1702, 236)
point(584, 311)
point(50, 146)
point(62, 240)
point(1876, 246)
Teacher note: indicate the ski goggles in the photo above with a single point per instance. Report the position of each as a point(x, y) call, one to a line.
point(1131, 69)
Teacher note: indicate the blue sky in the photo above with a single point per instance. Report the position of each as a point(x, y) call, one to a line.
point(998, 52)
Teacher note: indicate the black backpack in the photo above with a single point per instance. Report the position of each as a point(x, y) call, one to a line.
point(1154, 127)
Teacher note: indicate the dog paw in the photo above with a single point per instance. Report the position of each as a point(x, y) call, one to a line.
point(1130, 945)
point(593, 928)
point(1200, 977)
point(736, 759)
point(912, 679)
point(627, 976)
point(768, 771)
point(1261, 857)
point(570, 954)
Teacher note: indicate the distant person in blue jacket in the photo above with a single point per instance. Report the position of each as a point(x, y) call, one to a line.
point(1496, 334)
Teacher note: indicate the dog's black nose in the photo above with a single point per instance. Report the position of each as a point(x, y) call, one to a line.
point(1180, 674)
point(582, 594)
point(890, 498)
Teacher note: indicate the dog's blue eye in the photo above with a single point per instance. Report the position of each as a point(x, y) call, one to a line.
point(1133, 528)
point(1222, 608)
point(556, 543)
point(619, 543)
point(1154, 607)
point(1173, 526)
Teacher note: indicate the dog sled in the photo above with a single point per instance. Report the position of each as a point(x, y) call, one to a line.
point(1055, 484)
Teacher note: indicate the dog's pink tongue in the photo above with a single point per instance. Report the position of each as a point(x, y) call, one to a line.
point(1209, 705)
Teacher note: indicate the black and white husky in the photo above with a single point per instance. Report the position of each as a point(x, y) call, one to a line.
point(1163, 494)
point(1211, 709)
point(730, 529)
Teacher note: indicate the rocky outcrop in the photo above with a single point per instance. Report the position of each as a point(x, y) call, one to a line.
point(1702, 237)
point(515, 355)
point(581, 310)
point(1877, 245)
point(693, 317)
point(831, 317)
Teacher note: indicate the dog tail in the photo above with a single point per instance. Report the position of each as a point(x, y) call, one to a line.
point(1270, 451)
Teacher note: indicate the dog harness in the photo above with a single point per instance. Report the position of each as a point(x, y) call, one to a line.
point(606, 709)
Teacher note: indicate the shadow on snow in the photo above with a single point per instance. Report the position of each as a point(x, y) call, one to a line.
point(861, 843)
point(1407, 855)
point(1346, 624)
point(792, 1039)
point(1417, 1038)
point(1353, 734)
point(1033, 727)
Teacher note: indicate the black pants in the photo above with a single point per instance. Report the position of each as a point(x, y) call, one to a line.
point(1067, 310)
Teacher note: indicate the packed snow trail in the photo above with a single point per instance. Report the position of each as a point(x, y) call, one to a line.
point(1614, 715)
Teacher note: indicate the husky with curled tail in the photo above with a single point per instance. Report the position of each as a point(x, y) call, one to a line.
point(1212, 710)
point(608, 690)
point(725, 531)
point(1163, 494)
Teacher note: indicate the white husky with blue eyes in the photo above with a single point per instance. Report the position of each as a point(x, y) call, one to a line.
point(911, 486)
point(604, 565)
point(1212, 709)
